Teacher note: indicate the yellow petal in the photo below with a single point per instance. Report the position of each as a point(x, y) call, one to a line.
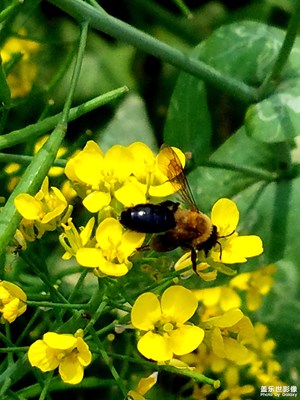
point(28, 206)
point(235, 351)
point(95, 201)
point(145, 384)
point(131, 194)
point(237, 249)
point(119, 159)
point(229, 299)
point(113, 269)
point(155, 347)
point(109, 233)
point(130, 242)
point(186, 339)
point(225, 215)
point(70, 370)
point(84, 355)
point(179, 303)
point(59, 341)
point(89, 257)
point(146, 311)
point(228, 319)
point(43, 357)
point(86, 233)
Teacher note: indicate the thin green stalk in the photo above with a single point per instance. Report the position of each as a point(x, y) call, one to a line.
point(42, 127)
point(25, 160)
point(183, 8)
point(76, 72)
point(283, 54)
point(107, 360)
point(122, 31)
point(55, 305)
point(5, 13)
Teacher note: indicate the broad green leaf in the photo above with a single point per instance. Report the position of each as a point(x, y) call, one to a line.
point(277, 118)
point(188, 121)
point(245, 51)
point(129, 124)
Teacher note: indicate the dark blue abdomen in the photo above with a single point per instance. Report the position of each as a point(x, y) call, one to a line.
point(148, 218)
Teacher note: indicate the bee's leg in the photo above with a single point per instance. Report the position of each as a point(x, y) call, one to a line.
point(194, 259)
point(144, 248)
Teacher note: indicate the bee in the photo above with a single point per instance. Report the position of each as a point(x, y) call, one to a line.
point(188, 228)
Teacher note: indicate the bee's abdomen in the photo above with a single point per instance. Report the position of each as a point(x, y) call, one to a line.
point(148, 218)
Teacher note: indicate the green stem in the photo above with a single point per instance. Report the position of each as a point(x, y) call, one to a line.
point(183, 8)
point(55, 305)
point(13, 349)
point(125, 32)
point(196, 376)
point(42, 127)
point(108, 361)
point(250, 171)
point(5, 13)
point(25, 160)
point(283, 54)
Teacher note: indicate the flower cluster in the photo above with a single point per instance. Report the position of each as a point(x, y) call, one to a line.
point(43, 212)
point(18, 52)
point(107, 184)
point(12, 301)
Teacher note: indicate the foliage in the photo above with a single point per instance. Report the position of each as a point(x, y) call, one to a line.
point(86, 102)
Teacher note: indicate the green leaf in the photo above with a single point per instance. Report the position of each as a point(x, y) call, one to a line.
point(277, 118)
point(188, 122)
point(129, 124)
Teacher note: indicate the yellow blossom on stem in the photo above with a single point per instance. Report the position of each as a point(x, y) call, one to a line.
point(97, 177)
point(231, 248)
point(256, 284)
point(69, 353)
point(226, 334)
point(233, 391)
point(12, 301)
point(45, 211)
point(21, 77)
point(148, 171)
point(163, 323)
point(112, 249)
point(263, 364)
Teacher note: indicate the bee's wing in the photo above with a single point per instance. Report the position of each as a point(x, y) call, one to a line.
point(171, 166)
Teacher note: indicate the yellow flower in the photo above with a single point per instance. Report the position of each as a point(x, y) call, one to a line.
point(256, 284)
point(227, 334)
point(12, 301)
point(68, 352)
point(112, 249)
point(233, 390)
point(72, 240)
point(149, 170)
point(44, 211)
point(164, 321)
point(22, 75)
point(230, 247)
point(222, 297)
point(98, 177)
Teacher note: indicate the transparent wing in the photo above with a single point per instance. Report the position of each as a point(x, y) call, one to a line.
point(171, 166)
